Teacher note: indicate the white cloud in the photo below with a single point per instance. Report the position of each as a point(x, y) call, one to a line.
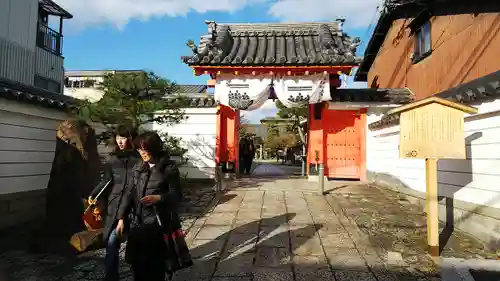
point(358, 13)
point(120, 12)
point(254, 116)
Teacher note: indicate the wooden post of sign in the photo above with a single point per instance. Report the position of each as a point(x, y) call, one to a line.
point(432, 206)
point(432, 129)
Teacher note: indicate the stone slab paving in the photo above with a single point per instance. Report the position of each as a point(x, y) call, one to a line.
point(281, 229)
point(19, 264)
point(264, 169)
point(273, 234)
point(396, 229)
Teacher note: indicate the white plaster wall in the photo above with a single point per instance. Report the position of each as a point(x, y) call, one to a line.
point(198, 135)
point(27, 145)
point(475, 179)
point(91, 94)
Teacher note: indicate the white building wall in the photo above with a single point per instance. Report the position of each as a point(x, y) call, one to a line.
point(472, 183)
point(473, 180)
point(91, 94)
point(27, 145)
point(198, 134)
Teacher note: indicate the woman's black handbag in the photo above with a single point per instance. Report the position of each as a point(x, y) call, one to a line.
point(178, 255)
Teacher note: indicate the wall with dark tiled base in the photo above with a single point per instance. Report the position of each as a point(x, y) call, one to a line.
point(21, 208)
point(480, 221)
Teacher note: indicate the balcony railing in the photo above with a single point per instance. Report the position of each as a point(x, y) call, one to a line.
point(49, 39)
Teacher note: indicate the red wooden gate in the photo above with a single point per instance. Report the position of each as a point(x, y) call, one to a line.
point(343, 136)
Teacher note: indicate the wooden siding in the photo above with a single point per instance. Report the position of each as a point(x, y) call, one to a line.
point(18, 22)
point(49, 66)
point(464, 47)
point(27, 145)
point(20, 59)
point(16, 62)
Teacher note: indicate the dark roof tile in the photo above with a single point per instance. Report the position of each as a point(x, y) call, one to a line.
point(274, 44)
point(13, 90)
point(395, 96)
point(190, 88)
point(193, 101)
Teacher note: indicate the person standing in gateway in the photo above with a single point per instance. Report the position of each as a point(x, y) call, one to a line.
point(118, 170)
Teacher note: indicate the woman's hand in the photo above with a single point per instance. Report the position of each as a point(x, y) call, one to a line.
point(120, 227)
point(150, 199)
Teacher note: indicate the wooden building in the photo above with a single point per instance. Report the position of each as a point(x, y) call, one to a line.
point(31, 104)
point(299, 64)
point(448, 49)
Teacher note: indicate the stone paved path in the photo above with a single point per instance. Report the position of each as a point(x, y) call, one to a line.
point(268, 169)
point(17, 264)
point(279, 229)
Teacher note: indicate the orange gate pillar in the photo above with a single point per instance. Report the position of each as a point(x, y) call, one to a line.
point(227, 137)
point(315, 137)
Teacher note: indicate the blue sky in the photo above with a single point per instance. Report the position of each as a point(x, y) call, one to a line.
point(151, 34)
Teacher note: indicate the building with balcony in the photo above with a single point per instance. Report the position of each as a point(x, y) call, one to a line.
point(30, 49)
point(31, 104)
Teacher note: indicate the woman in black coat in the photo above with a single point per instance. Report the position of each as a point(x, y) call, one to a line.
point(117, 171)
point(154, 196)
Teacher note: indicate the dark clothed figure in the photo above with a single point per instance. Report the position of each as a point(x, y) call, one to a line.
point(118, 170)
point(146, 250)
point(245, 157)
point(74, 173)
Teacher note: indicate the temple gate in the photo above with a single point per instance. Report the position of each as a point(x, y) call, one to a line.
point(300, 64)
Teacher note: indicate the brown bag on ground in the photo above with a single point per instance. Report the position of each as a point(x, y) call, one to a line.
point(87, 240)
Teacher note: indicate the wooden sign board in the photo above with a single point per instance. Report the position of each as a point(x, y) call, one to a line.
point(432, 128)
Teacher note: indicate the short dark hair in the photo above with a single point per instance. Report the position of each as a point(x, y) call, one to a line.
point(127, 132)
point(151, 142)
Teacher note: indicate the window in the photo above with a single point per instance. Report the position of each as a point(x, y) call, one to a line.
point(47, 84)
point(422, 41)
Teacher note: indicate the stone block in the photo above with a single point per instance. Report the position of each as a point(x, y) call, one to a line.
point(307, 246)
point(273, 219)
point(248, 215)
point(220, 219)
point(345, 259)
point(201, 270)
point(226, 207)
point(239, 243)
point(353, 275)
point(273, 257)
point(272, 274)
point(241, 226)
point(301, 218)
point(238, 265)
point(209, 232)
point(340, 240)
point(274, 237)
point(206, 249)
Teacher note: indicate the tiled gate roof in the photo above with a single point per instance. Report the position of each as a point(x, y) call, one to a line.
point(274, 44)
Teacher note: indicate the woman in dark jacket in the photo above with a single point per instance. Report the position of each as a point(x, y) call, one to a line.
point(154, 196)
point(117, 171)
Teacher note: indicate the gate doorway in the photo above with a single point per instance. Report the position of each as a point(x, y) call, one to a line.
point(344, 135)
